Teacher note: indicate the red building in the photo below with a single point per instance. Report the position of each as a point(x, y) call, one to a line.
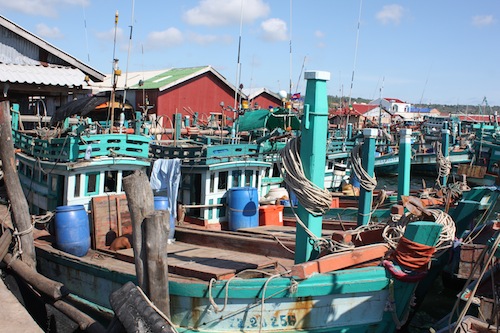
point(185, 91)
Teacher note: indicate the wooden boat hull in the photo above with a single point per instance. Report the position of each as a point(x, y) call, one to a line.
point(346, 301)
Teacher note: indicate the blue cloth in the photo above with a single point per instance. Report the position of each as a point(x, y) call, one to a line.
point(166, 177)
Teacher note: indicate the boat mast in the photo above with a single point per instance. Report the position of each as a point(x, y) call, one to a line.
point(128, 57)
point(115, 72)
point(354, 65)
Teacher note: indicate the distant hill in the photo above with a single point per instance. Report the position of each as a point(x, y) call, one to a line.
point(334, 101)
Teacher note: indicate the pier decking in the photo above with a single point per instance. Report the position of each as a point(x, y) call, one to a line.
point(14, 317)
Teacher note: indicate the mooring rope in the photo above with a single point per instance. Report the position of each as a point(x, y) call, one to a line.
point(443, 163)
point(366, 181)
point(313, 198)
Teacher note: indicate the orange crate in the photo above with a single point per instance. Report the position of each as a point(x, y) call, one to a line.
point(271, 215)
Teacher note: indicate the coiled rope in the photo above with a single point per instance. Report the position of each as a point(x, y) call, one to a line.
point(314, 199)
point(443, 163)
point(366, 181)
point(393, 232)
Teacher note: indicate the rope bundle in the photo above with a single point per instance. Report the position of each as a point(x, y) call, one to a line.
point(314, 199)
point(443, 163)
point(365, 180)
point(393, 232)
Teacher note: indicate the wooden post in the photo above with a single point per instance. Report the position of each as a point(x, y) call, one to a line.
point(157, 228)
point(140, 204)
point(20, 209)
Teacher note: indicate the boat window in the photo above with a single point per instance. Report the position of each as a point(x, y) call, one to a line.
point(92, 183)
point(248, 177)
point(77, 185)
point(212, 182)
point(257, 178)
point(29, 172)
point(222, 181)
point(236, 178)
point(45, 178)
point(110, 180)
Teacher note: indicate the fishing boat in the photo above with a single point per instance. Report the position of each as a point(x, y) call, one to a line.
point(248, 279)
point(483, 169)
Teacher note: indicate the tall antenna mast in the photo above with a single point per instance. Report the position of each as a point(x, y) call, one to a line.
point(355, 58)
point(128, 56)
point(238, 67)
point(114, 73)
point(291, 84)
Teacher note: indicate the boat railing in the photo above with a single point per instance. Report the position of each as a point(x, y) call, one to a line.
point(206, 154)
point(73, 148)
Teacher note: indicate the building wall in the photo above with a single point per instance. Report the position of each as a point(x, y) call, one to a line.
point(202, 94)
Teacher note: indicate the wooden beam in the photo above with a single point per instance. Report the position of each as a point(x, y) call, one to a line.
point(140, 201)
point(340, 260)
point(20, 209)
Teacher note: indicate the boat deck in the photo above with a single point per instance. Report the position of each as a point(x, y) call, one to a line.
point(204, 254)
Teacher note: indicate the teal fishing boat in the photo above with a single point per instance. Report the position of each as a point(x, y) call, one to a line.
point(256, 279)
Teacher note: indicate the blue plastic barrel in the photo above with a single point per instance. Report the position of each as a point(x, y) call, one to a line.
point(162, 203)
point(243, 208)
point(355, 181)
point(72, 229)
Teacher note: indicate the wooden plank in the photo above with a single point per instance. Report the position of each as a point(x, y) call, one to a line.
point(261, 245)
point(206, 263)
point(340, 260)
point(110, 217)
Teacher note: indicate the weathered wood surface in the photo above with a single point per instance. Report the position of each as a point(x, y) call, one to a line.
point(110, 216)
point(207, 263)
point(265, 245)
point(20, 209)
point(156, 241)
point(340, 260)
point(141, 204)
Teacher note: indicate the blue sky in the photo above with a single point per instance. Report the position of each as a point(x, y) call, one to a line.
point(445, 51)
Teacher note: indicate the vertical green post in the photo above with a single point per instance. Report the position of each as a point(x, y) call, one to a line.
point(368, 164)
point(349, 131)
point(314, 128)
point(138, 122)
point(404, 167)
point(177, 124)
point(445, 147)
point(15, 116)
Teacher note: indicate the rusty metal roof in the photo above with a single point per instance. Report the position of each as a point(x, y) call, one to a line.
point(49, 75)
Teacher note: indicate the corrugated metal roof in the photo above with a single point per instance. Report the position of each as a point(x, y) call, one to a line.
point(170, 77)
point(159, 79)
point(52, 50)
point(44, 75)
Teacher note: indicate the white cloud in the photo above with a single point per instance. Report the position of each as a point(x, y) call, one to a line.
point(166, 38)
point(224, 12)
point(391, 14)
point(45, 31)
point(274, 30)
point(208, 39)
point(319, 34)
point(482, 20)
point(48, 8)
